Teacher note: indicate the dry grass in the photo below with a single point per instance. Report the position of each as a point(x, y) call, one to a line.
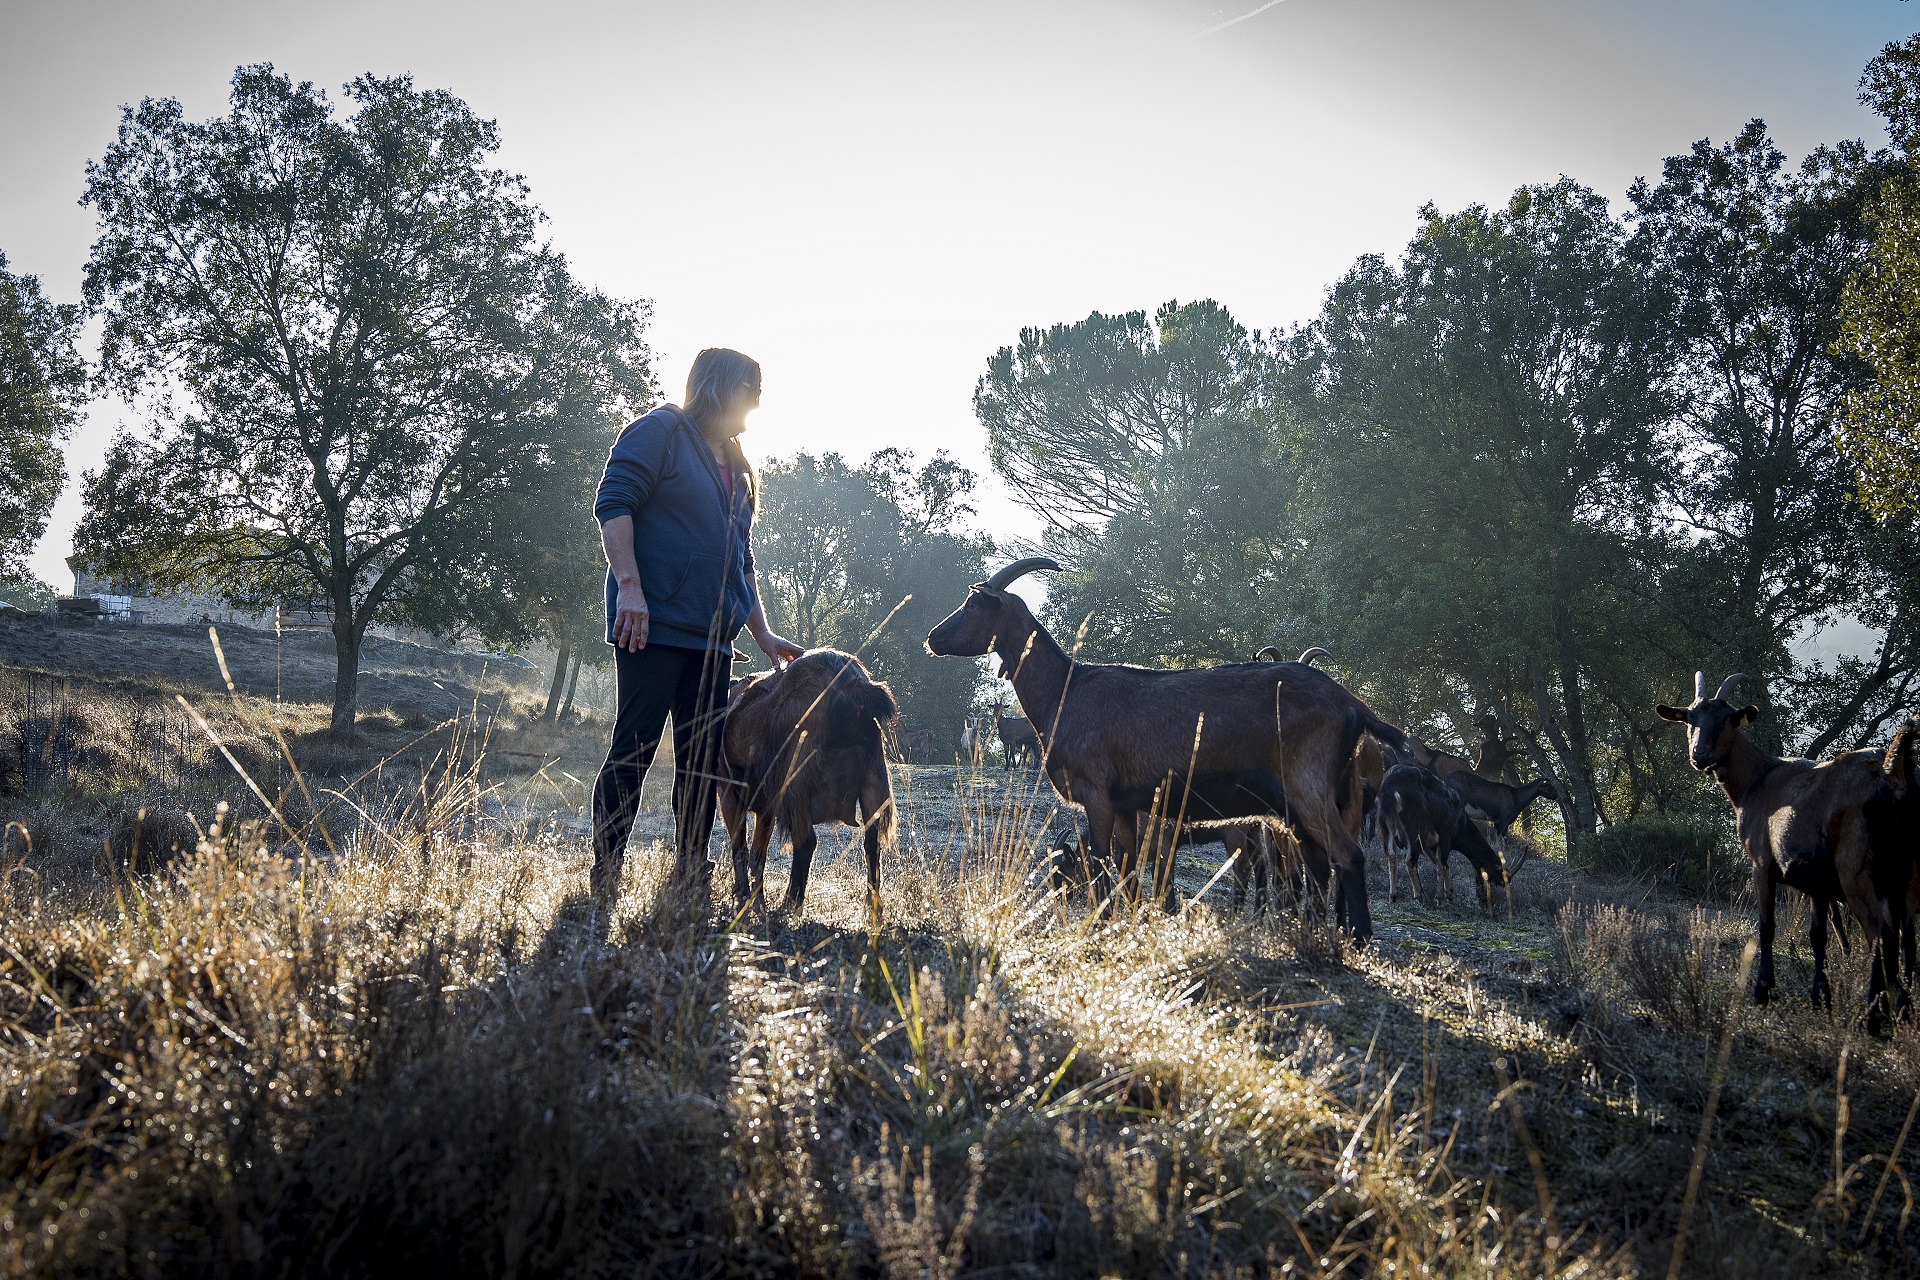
point(422, 1054)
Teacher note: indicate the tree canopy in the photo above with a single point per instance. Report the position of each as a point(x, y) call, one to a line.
point(43, 383)
point(1542, 465)
point(352, 349)
point(1879, 426)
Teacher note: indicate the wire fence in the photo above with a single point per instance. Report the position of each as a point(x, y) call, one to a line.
point(47, 734)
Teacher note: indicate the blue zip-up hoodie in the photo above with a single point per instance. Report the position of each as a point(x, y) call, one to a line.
point(693, 547)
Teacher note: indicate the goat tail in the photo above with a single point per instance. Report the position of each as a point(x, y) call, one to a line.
point(885, 823)
point(1349, 756)
point(1394, 738)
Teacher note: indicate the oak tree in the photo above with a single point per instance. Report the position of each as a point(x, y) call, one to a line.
point(352, 346)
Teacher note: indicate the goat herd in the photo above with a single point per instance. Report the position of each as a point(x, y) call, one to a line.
point(1283, 764)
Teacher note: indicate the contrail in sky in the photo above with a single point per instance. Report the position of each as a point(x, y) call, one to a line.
point(1251, 13)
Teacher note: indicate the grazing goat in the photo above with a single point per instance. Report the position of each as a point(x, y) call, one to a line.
point(1018, 741)
point(1283, 732)
point(1807, 824)
point(1497, 802)
point(916, 745)
point(1419, 812)
point(803, 745)
point(1266, 856)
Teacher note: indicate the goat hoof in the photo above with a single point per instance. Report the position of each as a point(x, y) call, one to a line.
point(1822, 994)
point(1762, 991)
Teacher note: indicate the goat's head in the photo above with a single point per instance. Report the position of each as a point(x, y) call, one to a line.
point(990, 612)
point(1712, 723)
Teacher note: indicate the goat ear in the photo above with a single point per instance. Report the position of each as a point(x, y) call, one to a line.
point(1748, 714)
point(1674, 714)
point(986, 598)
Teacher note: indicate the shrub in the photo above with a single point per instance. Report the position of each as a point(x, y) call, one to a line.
point(1696, 854)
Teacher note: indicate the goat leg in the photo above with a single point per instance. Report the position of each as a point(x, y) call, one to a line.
point(756, 874)
point(1763, 894)
point(1242, 866)
point(1822, 992)
point(804, 842)
point(734, 815)
point(871, 838)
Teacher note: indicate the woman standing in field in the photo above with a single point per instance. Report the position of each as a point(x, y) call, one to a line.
point(676, 507)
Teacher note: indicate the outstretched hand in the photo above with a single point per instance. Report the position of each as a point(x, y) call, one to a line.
point(777, 647)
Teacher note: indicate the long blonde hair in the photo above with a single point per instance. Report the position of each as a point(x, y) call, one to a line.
point(717, 373)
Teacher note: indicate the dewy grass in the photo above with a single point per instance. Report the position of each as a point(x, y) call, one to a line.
point(427, 1054)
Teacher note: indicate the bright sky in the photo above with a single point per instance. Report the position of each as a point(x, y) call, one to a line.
point(871, 198)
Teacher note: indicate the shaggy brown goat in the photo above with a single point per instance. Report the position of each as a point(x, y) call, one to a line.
point(1018, 741)
point(1893, 823)
point(803, 745)
point(1286, 732)
point(1421, 813)
point(1805, 823)
point(1494, 755)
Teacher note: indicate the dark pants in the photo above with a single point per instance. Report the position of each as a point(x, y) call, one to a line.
point(692, 685)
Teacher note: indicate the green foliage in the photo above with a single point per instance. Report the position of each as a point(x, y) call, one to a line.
point(1203, 569)
point(838, 547)
point(1545, 465)
point(1877, 423)
point(43, 383)
point(1078, 415)
point(1693, 853)
point(1477, 424)
point(25, 591)
point(1751, 255)
point(358, 360)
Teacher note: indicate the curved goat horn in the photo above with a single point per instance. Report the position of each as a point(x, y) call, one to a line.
point(1269, 654)
point(1020, 569)
point(1306, 659)
point(1728, 685)
point(1699, 686)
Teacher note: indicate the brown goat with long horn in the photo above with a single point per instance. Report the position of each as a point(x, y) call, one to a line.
point(1282, 732)
point(1806, 824)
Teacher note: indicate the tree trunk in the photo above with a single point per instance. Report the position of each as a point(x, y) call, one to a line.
point(573, 682)
point(346, 676)
point(1589, 795)
point(1575, 796)
point(558, 689)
